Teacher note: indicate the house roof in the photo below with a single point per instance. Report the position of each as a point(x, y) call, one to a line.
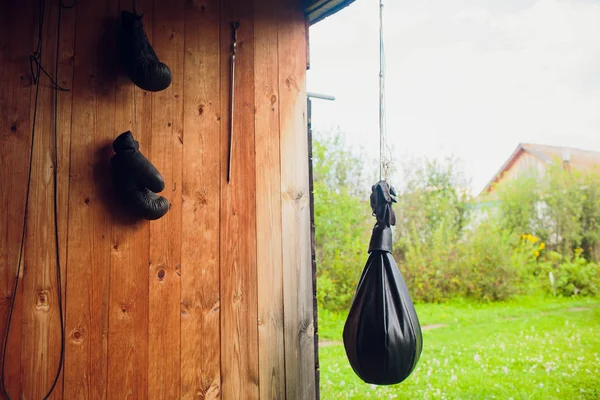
point(316, 10)
point(578, 159)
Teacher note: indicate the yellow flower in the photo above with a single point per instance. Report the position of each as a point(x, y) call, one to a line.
point(542, 246)
point(537, 253)
point(535, 239)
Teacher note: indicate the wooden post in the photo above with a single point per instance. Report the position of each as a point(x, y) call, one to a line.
point(239, 302)
point(298, 294)
point(166, 233)
point(201, 222)
point(268, 203)
point(15, 134)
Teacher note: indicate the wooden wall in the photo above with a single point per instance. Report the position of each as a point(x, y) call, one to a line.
point(215, 300)
point(522, 163)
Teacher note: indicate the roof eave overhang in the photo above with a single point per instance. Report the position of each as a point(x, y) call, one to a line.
point(317, 10)
point(506, 164)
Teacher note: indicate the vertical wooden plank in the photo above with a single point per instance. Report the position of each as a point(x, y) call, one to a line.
point(40, 353)
point(298, 300)
point(89, 232)
point(200, 304)
point(64, 77)
point(103, 82)
point(239, 331)
point(16, 27)
point(165, 234)
point(129, 285)
point(128, 311)
point(126, 239)
point(268, 203)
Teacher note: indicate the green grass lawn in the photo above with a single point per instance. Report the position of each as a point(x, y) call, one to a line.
point(530, 348)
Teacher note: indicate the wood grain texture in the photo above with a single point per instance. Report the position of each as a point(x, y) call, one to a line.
point(200, 298)
point(215, 299)
point(239, 330)
point(129, 285)
point(64, 77)
point(15, 140)
point(88, 256)
point(298, 299)
point(128, 237)
point(268, 203)
point(164, 380)
point(40, 352)
point(127, 367)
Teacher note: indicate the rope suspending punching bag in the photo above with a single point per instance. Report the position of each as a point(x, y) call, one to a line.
point(382, 334)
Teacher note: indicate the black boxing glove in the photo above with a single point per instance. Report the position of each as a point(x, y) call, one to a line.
point(138, 57)
point(136, 180)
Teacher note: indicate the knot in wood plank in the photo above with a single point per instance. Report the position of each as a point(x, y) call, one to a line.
point(42, 301)
point(77, 335)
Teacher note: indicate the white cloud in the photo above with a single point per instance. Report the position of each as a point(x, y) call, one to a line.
point(472, 78)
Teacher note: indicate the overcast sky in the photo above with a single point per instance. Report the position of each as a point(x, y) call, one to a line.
point(469, 78)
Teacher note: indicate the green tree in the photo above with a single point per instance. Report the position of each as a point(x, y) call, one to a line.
point(518, 205)
point(562, 211)
point(562, 207)
point(343, 220)
point(433, 213)
point(434, 193)
point(590, 221)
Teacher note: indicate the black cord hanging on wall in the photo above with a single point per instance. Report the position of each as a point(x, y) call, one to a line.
point(36, 70)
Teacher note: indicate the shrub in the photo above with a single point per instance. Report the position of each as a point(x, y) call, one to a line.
point(432, 214)
point(486, 263)
point(574, 277)
point(489, 272)
point(343, 235)
point(518, 204)
point(562, 207)
point(343, 222)
point(434, 193)
point(448, 247)
point(430, 267)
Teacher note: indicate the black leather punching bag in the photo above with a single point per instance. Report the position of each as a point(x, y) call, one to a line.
point(138, 57)
point(382, 334)
point(136, 180)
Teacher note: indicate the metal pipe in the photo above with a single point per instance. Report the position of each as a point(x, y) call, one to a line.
point(320, 96)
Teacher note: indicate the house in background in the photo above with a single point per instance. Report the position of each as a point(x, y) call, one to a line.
point(528, 158)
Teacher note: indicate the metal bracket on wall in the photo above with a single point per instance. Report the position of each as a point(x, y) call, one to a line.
point(321, 96)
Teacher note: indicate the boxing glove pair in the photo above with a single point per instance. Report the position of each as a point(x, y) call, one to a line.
point(136, 181)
